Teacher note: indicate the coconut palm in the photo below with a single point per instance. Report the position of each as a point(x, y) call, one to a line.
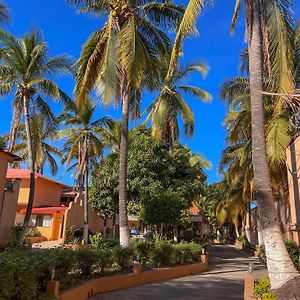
point(25, 69)
point(115, 60)
point(269, 53)
point(4, 13)
point(83, 145)
point(170, 103)
point(42, 139)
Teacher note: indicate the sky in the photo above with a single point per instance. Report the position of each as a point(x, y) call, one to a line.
point(66, 31)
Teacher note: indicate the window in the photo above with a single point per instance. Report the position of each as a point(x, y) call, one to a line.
point(40, 221)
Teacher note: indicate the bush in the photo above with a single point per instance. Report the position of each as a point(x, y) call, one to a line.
point(240, 239)
point(269, 296)
point(105, 259)
point(163, 253)
point(97, 241)
point(141, 250)
point(87, 260)
point(262, 286)
point(122, 256)
point(188, 252)
point(293, 250)
point(17, 276)
point(32, 232)
point(18, 237)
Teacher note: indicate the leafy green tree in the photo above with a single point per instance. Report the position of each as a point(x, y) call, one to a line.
point(157, 177)
point(25, 68)
point(115, 60)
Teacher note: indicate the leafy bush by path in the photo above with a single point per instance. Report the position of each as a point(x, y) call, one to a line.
point(293, 250)
point(99, 242)
point(188, 252)
point(18, 238)
point(262, 288)
point(122, 257)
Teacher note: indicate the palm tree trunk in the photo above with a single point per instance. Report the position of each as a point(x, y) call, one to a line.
point(124, 231)
point(15, 123)
point(86, 193)
point(31, 159)
point(280, 266)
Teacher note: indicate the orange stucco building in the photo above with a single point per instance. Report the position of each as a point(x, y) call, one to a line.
point(9, 191)
point(56, 207)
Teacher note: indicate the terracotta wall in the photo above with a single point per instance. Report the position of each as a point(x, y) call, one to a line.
point(293, 170)
point(47, 193)
point(8, 212)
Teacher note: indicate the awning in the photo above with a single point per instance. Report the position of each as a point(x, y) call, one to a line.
point(46, 210)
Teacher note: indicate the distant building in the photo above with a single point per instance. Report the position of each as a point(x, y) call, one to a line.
point(9, 192)
point(56, 206)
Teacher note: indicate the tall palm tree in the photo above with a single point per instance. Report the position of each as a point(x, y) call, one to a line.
point(25, 68)
point(262, 38)
point(84, 145)
point(4, 13)
point(116, 59)
point(170, 103)
point(42, 137)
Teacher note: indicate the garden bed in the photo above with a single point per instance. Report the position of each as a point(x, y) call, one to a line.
point(113, 283)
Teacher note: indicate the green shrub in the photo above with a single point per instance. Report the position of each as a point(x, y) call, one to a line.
point(262, 286)
point(97, 241)
point(141, 250)
point(293, 250)
point(18, 237)
point(162, 253)
point(112, 242)
point(105, 259)
point(87, 260)
point(188, 252)
point(240, 239)
point(269, 296)
point(122, 256)
point(32, 232)
point(17, 275)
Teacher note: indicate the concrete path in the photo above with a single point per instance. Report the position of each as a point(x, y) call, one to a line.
point(224, 280)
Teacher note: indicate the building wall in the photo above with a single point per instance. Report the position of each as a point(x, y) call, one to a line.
point(293, 170)
point(74, 217)
point(8, 212)
point(3, 170)
point(47, 193)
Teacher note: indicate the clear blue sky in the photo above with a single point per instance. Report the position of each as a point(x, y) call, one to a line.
point(66, 31)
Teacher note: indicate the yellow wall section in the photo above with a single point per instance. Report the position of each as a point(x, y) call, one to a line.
point(47, 193)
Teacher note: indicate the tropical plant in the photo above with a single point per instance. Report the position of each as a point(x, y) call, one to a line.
point(83, 145)
point(170, 103)
point(115, 60)
point(42, 138)
point(25, 68)
point(269, 53)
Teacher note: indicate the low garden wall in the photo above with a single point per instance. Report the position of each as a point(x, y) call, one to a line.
point(113, 283)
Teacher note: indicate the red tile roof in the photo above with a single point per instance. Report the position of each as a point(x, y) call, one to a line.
point(46, 210)
point(25, 174)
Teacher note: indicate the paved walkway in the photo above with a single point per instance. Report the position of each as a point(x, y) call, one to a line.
point(224, 280)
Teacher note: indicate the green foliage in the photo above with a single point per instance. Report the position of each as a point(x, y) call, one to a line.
point(17, 276)
point(162, 253)
point(262, 286)
point(141, 249)
point(160, 180)
point(97, 241)
point(87, 260)
point(188, 252)
point(240, 239)
point(293, 250)
point(18, 236)
point(269, 296)
point(122, 256)
point(32, 232)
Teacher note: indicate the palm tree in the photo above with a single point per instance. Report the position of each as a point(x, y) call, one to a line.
point(170, 103)
point(261, 33)
point(83, 144)
point(116, 59)
point(42, 137)
point(25, 67)
point(4, 13)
